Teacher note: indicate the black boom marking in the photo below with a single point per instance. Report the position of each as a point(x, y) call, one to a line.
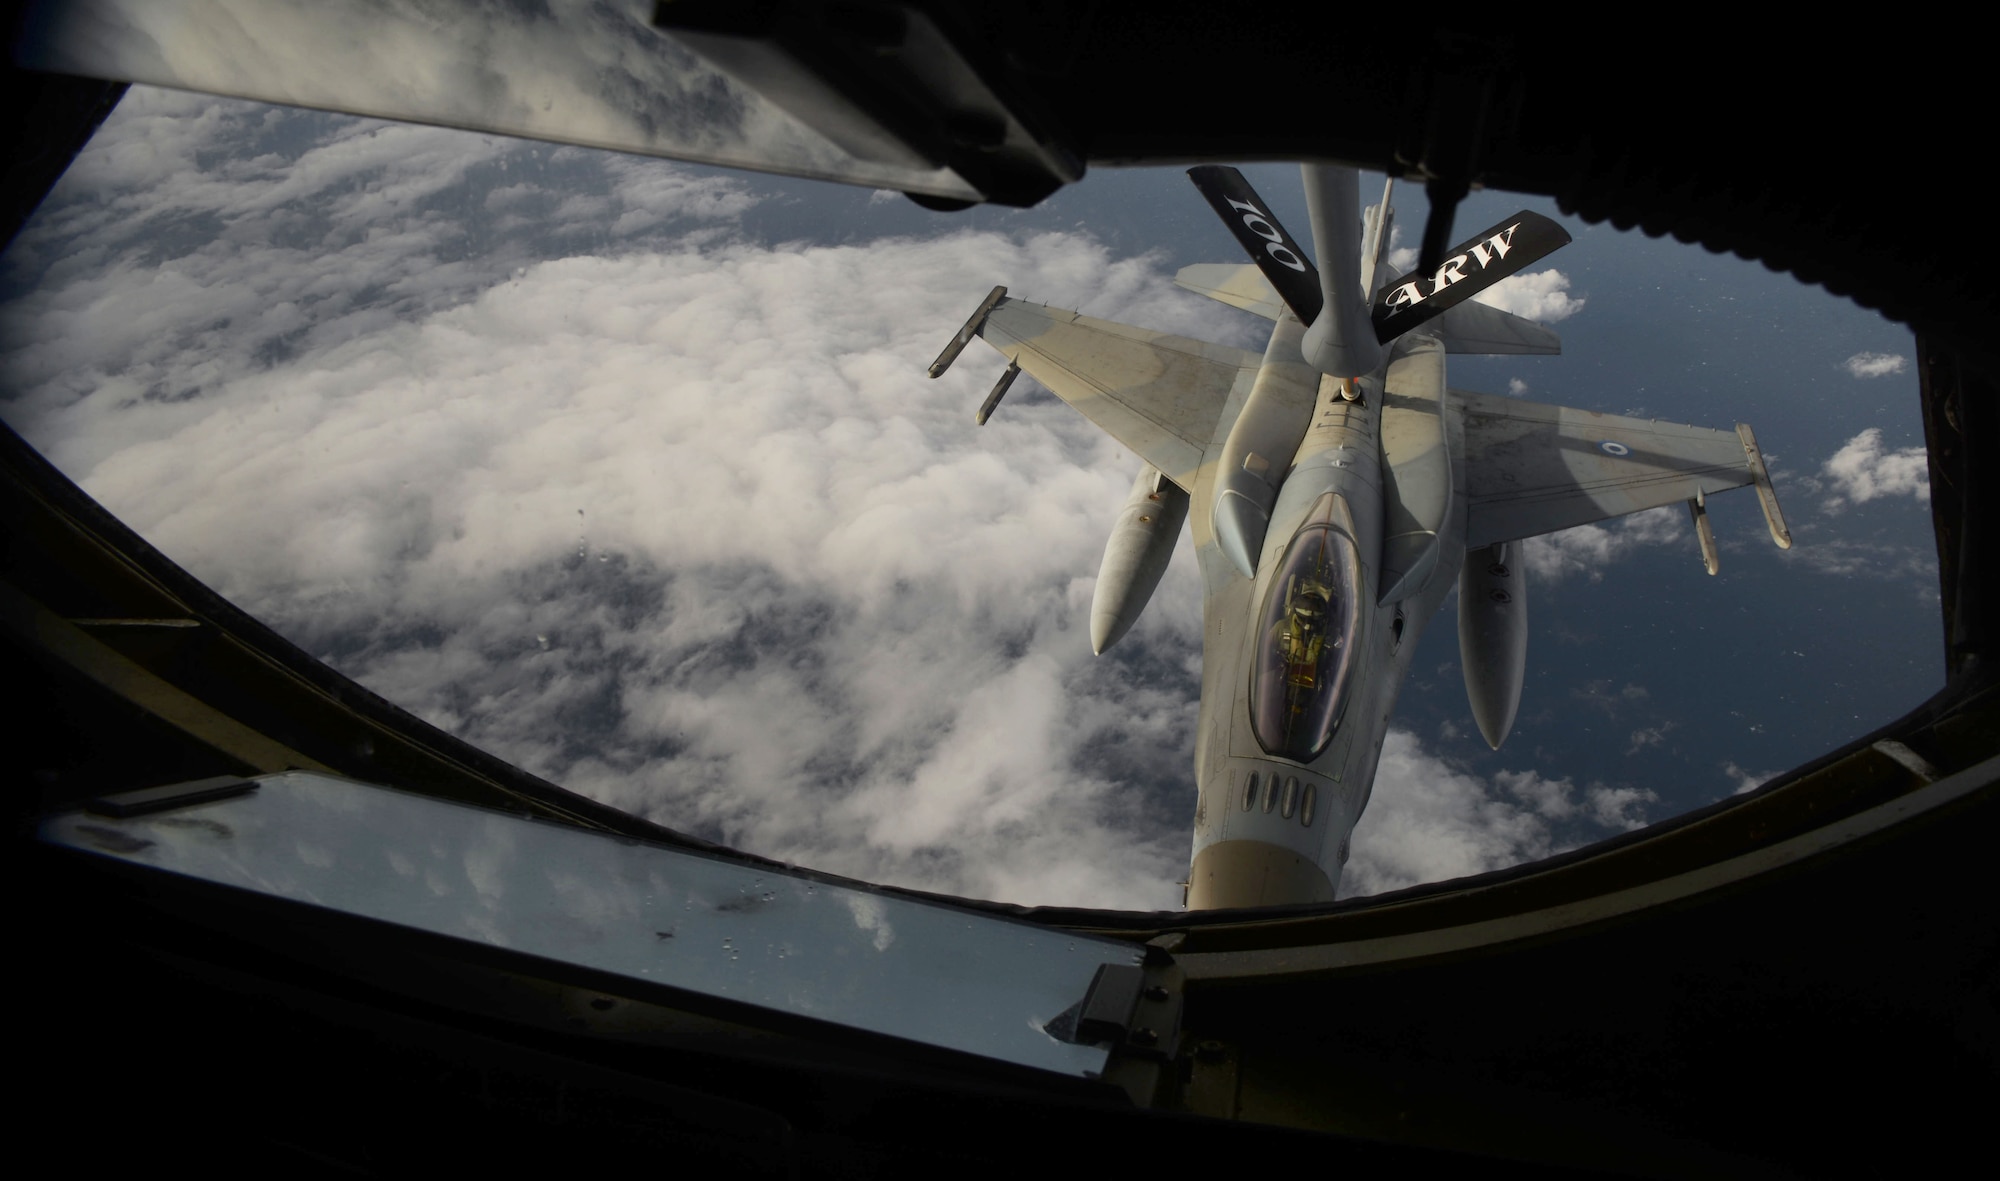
point(1479, 262)
point(1276, 253)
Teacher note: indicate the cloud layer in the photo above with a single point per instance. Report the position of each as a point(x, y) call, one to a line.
point(1587, 549)
point(1864, 469)
point(1429, 821)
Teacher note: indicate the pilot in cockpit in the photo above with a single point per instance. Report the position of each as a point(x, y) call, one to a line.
point(1303, 637)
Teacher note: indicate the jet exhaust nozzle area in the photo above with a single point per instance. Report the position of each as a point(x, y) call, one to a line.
point(1237, 873)
point(1493, 636)
point(1136, 556)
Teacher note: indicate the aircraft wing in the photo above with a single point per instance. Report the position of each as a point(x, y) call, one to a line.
point(1160, 395)
point(1532, 469)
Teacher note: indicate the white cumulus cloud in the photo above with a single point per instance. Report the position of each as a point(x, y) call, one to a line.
point(1864, 469)
point(1538, 295)
point(1587, 549)
point(1429, 821)
point(1875, 364)
point(1745, 781)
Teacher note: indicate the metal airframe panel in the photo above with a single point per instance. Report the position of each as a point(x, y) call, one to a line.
point(595, 73)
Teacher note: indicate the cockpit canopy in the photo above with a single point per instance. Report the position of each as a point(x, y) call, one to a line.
point(1306, 637)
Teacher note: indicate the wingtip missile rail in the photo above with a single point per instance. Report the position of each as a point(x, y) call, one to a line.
point(966, 333)
point(1767, 496)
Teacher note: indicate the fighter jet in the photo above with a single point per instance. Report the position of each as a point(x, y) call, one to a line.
point(1337, 490)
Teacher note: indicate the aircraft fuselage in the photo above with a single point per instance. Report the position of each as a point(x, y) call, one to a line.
point(1270, 828)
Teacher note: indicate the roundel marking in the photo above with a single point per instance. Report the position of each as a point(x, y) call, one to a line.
point(1613, 448)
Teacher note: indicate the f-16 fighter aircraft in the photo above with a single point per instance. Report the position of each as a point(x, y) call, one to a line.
point(1337, 489)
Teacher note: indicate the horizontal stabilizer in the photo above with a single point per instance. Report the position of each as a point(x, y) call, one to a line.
point(1477, 328)
point(1500, 250)
point(1275, 252)
point(1240, 285)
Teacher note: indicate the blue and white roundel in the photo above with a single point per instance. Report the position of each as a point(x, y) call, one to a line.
point(1611, 448)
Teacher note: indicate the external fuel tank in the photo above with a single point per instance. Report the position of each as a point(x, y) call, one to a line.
point(1141, 544)
point(1493, 636)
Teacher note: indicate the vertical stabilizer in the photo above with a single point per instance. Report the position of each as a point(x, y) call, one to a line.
point(1341, 341)
point(1378, 225)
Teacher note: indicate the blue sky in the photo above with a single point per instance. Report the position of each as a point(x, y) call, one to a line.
point(628, 471)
